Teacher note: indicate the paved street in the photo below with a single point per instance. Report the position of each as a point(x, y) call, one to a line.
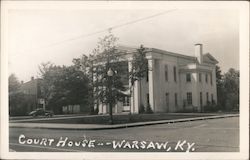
point(214, 135)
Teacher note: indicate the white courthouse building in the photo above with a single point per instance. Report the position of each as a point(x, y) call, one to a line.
point(175, 82)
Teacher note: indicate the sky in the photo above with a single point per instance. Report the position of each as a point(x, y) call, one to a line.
point(33, 33)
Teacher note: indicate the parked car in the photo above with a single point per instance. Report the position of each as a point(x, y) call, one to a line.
point(41, 112)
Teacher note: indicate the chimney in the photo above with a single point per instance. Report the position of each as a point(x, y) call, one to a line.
point(198, 52)
point(32, 78)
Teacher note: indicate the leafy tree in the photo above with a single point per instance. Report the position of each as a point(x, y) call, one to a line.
point(19, 103)
point(14, 96)
point(48, 72)
point(106, 58)
point(218, 75)
point(71, 87)
point(14, 84)
point(228, 89)
point(139, 69)
point(231, 85)
point(85, 65)
point(220, 88)
point(62, 86)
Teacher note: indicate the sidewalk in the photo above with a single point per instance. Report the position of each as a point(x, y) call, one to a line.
point(115, 126)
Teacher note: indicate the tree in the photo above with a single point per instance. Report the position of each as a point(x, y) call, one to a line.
point(220, 88)
point(14, 84)
point(85, 65)
point(19, 103)
point(62, 86)
point(231, 85)
point(107, 89)
point(139, 69)
point(14, 97)
point(228, 89)
point(48, 72)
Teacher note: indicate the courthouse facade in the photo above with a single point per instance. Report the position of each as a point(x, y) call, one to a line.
point(174, 83)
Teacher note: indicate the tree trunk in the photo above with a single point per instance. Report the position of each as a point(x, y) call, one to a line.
point(111, 112)
point(140, 94)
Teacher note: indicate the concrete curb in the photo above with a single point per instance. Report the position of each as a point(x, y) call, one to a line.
point(116, 126)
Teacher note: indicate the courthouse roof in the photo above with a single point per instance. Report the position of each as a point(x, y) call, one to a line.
point(128, 49)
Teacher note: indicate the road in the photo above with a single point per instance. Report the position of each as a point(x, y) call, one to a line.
point(214, 135)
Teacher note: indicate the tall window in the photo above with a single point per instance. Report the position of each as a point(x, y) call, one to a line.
point(199, 77)
point(175, 74)
point(166, 72)
point(189, 98)
point(207, 97)
point(211, 79)
point(188, 77)
point(126, 101)
point(175, 99)
point(212, 98)
point(167, 101)
point(206, 77)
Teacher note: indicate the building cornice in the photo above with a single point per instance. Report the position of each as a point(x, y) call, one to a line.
point(194, 67)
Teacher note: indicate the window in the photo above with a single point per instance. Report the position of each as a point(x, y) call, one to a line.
point(200, 77)
point(147, 99)
point(175, 74)
point(166, 72)
point(206, 77)
point(211, 79)
point(175, 99)
point(126, 101)
point(188, 77)
point(207, 98)
point(189, 98)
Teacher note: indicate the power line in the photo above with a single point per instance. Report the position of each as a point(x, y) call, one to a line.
point(104, 30)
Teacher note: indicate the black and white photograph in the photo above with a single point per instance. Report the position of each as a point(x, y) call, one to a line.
point(124, 79)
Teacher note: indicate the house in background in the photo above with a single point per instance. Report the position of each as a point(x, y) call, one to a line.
point(175, 82)
point(32, 91)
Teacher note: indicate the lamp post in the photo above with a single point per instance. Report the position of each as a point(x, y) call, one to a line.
point(110, 74)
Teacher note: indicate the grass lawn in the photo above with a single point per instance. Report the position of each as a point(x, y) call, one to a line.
point(121, 119)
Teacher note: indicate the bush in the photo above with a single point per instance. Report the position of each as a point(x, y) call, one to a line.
point(186, 110)
point(142, 109)
point(211, 107)
point(96, 111)
point(21, 104)
point(148, 109)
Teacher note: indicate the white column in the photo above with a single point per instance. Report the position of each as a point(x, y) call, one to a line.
point(99, 105)
point(196, 92)
point(116, 108)
point(214, 85)
point(104, 108)
point(131, 96)
point(151, 88)
point(135, 98)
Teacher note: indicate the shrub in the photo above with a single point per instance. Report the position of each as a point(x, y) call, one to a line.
point(96, 111)
point(148, 109)
point(211, 107)
point(142, 109)
point(186, 110)
point(21, 104)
